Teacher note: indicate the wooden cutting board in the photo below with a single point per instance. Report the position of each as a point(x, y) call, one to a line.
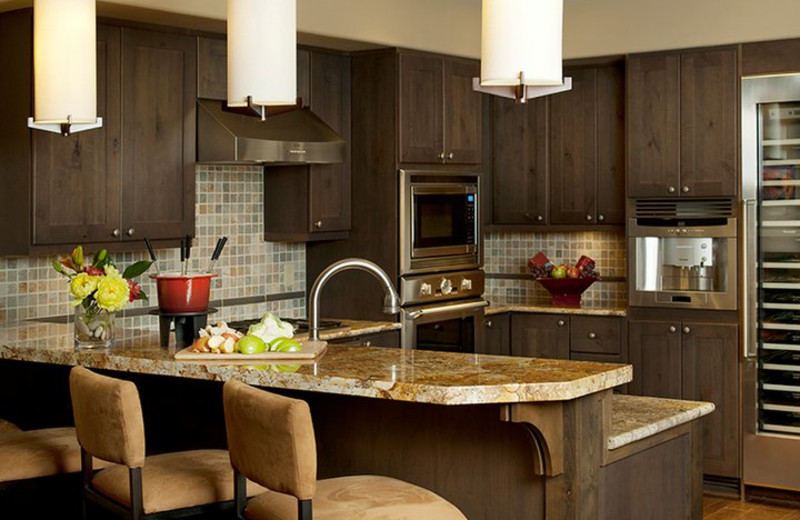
point(311, 350)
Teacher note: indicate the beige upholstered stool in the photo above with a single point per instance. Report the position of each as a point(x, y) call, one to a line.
point(271, 441)
point(109, 426)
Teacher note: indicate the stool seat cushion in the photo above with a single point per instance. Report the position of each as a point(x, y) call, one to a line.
point(362, 497)
point(38, 453)
point(175, 480)
point(6, 426)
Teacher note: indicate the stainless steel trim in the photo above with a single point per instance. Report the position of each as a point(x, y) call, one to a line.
point(749, 277)
point(446, 307)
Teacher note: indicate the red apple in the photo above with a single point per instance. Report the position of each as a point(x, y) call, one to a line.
point(573, 272)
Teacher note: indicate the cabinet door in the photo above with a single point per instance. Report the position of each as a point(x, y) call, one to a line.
point(652, 118)
point(710, 372)
point(540, 335)
point(329, 184)
point(573, 155)
point(158, 121)
point(595, 334)
point(610, 107)
point(212, 68)
point(497, 336)
point(463, 112)
point(709, 105)
point(519, 162)
point(655, 353)
point(421, 109)
point(76, 179)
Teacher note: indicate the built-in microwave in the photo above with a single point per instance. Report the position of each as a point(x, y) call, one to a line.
point(439, 221)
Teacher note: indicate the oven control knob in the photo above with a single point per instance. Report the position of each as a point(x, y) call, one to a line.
point(425, 289)
point(466, 284)
point(446, 286)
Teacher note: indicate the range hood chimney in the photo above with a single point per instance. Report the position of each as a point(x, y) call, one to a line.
point(296, 137)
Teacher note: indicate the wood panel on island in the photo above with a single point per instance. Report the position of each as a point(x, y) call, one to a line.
point(558, 161)
point(682, 114)
point(94, 187)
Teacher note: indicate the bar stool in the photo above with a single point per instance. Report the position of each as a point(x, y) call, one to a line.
point(284, 460)
point(109, 426)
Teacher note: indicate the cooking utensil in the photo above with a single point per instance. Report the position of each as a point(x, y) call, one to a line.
point(217, 252)
point(183, 256)
point(188, 245)
point(152, 253)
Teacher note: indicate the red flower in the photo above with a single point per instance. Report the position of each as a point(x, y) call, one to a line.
point(94, 271)
point(136, 290)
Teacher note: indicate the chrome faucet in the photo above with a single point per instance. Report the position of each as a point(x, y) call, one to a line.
point(391, 301)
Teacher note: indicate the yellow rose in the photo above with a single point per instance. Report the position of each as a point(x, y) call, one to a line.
point(112, 272)
point(112, 293)
point(82, 285)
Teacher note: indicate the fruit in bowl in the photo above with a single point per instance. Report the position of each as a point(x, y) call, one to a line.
point(564, 283)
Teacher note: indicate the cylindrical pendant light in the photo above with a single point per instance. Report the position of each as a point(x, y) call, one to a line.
point(521, 36)
point(64, 62)
point(262, 40)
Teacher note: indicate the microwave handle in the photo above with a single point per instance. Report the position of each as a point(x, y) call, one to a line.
point(750, 289)
point(413, 315)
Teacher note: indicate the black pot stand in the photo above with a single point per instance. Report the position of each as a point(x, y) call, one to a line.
point(185, 324)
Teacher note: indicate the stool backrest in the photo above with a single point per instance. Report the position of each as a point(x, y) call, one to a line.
point(108, 417)
point(271, 439)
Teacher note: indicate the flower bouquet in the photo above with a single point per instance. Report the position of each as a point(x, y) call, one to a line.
point(99, 290)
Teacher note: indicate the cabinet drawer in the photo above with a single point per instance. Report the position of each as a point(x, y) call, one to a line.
point(595, 334)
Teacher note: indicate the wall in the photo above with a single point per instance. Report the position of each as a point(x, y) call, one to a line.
point(230, 202)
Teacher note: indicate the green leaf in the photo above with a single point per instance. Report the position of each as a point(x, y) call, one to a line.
point(100, 258)
point(143, 295)
point(58, 267)
point(134, 270)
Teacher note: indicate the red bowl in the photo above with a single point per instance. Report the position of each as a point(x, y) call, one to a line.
point(183, 294)
point(566, 291)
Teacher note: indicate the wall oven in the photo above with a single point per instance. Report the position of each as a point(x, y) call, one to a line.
point(683, 253)
point(439, 221)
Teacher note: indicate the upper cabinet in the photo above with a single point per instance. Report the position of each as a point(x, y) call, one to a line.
point(440, 114)
point(95, 187)
point(559, 160)
point(682, 123)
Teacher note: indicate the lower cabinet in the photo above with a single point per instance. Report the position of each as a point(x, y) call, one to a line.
point(389, 338)
point(496, 335)
point(693, 360)
point(559, 336)
point(540, 335)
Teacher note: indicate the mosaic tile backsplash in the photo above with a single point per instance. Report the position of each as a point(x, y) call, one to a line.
point(230, 201)
point(506, 255)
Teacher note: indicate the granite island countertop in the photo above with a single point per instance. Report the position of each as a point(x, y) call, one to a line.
point(384, 373)
point(545, 307)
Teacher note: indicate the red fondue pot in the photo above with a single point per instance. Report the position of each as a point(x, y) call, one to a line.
point(183, 294)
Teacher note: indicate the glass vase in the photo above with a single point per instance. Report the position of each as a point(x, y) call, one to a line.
point(94, 327)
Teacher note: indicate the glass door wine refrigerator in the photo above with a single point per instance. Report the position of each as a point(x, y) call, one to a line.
point(771, 281)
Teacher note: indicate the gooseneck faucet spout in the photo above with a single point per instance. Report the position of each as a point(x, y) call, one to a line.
point(391, 300)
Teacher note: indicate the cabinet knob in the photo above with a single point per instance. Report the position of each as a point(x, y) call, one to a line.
point(685, 189)
point(368, 343)
point(130, 232)
point(588, 218)
point(561, 323)
point(441, 156)
point(450, 156)
point(489, 324)
point(318, 224)
point(601, 218)
point(539, 218)
point(592, 335)
point(672, 329)
point(687, 330)
point(671, 189)
point(115, 233)
point(437, 327)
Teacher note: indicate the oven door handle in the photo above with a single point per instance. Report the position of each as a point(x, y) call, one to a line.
point(413, 315)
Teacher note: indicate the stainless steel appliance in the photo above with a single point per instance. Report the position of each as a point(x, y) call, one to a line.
point(439, 221)
point(442, 311)
point(683, 253)
point(771, 280)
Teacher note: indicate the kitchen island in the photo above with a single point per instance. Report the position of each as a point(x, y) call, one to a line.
point(500, 437)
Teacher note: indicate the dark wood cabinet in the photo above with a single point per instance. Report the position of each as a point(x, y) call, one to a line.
point(558, 161)
point(496, 336)
point(440, 114)
point(540, 335)
point(389, 339)
point(770, 57)
point(694, 360)
point(682, 123)
point(212, 68)
point(95, 187)
point(313, 202)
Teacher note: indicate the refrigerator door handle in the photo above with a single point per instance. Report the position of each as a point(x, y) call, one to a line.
point(750, 288)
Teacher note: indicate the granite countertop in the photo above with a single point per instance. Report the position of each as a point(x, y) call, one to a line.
point(351, 328)
point(384, 373)
point(545, 307)
point(638, 417)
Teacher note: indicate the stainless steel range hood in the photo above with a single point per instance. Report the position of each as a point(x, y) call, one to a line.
point(296, 137)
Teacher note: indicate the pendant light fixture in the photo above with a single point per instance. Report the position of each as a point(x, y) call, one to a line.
point(64, 66)
point(521, 49)
point(262, 54)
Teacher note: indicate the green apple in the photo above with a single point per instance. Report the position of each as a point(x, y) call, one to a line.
point(273, 344)
point(559, 271)
point(251, 345)
point(288, 345)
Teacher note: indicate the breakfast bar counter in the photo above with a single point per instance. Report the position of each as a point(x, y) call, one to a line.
point(501, 437)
